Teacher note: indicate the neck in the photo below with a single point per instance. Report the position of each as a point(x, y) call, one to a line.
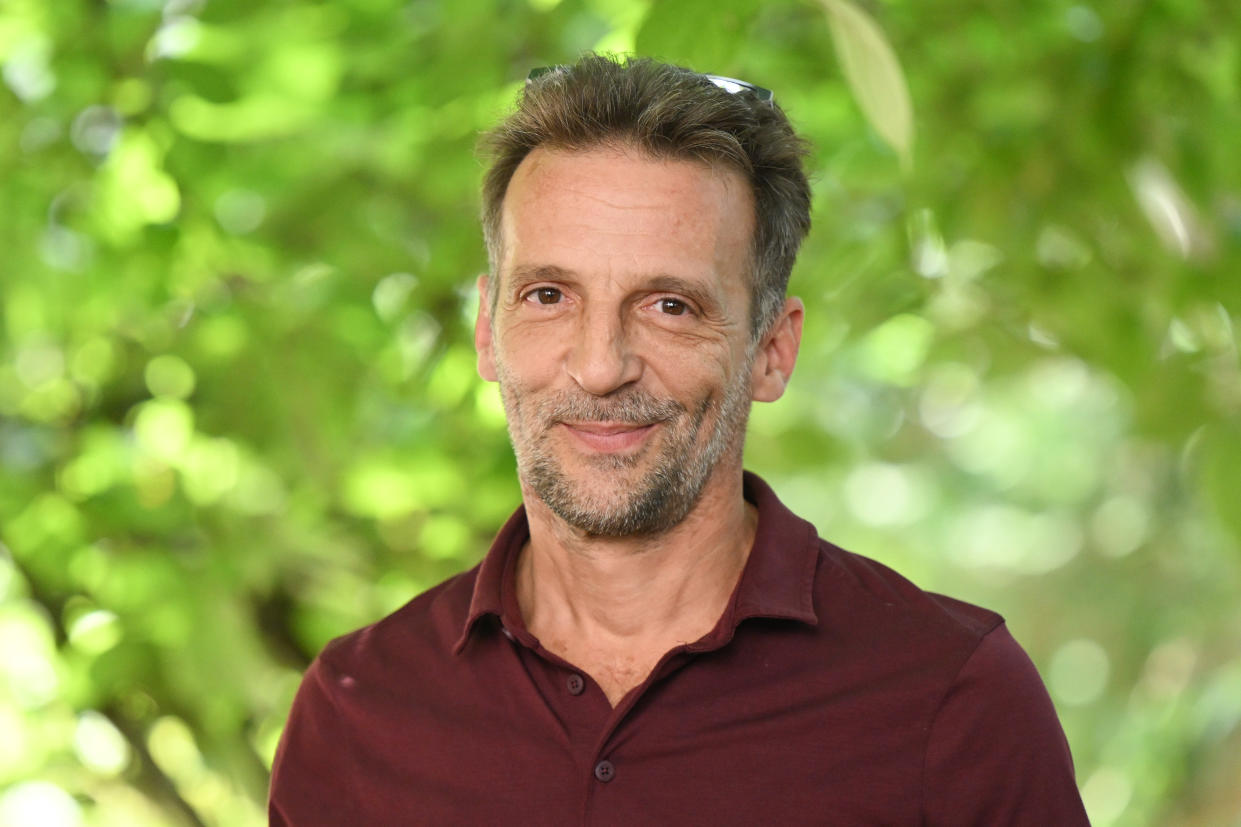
point(617, 592)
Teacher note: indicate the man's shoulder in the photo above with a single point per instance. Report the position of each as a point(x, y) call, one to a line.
point(864, 593)
point(854, 596)
point(430, 622)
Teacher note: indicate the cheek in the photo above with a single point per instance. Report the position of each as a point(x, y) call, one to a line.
point(526, 355)
point(697, 379)
point(705, 361)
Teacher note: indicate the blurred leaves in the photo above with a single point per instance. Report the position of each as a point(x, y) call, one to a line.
point(239, 413)
point(698, 33)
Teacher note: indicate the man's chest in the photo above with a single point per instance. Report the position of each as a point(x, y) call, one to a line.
point(693, 745)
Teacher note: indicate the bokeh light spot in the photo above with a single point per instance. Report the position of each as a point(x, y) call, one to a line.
point(164, 428)
point(1008, 539)
point(444, 537)
point(490, 406)
point(1120, 525)
point(928, 254)
point(1079, 672)
point(176, 38)
point(998, 448)
point(894, 351)
point(27, 655)
point(94, 361)
point(99, 466)
point(39, 802)
point(221, 337)
point(56, 401)
point(99, 745)
point(131, 95)
point(453, 377)
point(259, 490)
point(95, 130)
point(240, 211)
point(1059, 248)
point(1106, 794)
point(95, 632)
point(882, 494)
point(172, 746)
point(392, 293)
point(27, 70)
point(38, 364)
point(15, 746)
point(136, 188)
point(169, 376)
point(210, 469)
point(1169, 668)
point(968, 259)
point(378, 490)
point(947, 406)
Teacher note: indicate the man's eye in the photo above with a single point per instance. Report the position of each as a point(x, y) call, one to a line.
point(546, 295)
point(673, 307)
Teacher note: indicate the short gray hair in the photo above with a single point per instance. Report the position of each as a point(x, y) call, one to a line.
point(667, 112)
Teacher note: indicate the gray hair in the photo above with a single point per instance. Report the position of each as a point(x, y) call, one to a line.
point(667, 112)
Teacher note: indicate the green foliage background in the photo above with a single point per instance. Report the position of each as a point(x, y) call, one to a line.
point(239, 416)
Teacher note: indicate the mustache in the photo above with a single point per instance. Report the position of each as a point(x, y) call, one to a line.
point(634, 407)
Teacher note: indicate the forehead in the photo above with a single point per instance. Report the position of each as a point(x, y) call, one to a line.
point(614, 203)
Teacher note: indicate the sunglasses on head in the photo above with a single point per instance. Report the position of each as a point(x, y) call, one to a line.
point(730, 85)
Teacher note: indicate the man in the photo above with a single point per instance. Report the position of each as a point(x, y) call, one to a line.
point(653, 638)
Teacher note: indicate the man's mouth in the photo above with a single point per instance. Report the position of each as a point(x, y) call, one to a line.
point(609, 437)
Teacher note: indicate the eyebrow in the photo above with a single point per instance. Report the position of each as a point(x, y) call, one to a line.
point(541, 272)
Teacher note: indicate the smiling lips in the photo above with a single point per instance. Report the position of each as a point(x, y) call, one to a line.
point(609, 437)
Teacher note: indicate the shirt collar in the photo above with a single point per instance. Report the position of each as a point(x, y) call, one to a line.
point(777, 582)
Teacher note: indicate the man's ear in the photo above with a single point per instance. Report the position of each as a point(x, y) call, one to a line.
point(777, 353)
point(482, 332)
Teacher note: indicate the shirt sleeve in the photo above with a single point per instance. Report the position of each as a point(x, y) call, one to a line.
point(996, 754)
point(307, 765)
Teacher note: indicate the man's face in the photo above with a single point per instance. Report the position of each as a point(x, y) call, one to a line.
point(620, 333)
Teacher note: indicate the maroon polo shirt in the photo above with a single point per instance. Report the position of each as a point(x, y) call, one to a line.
point(832, 691)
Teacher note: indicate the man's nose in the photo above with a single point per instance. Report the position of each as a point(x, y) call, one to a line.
point(602, 359)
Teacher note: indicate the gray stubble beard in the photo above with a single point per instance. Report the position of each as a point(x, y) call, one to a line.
point(664, 496)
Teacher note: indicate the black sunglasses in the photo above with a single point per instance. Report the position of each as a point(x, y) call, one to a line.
point(730, 85)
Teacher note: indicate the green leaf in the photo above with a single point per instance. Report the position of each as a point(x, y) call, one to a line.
point(874, 75)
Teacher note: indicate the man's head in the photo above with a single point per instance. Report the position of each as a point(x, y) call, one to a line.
point(620, 314)
point(665, 112)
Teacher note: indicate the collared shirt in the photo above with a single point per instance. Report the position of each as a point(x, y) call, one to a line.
point(832, 691)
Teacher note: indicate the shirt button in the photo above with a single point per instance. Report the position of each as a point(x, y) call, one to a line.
point(604, 771)
point(575, 684)
point(506, 632)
